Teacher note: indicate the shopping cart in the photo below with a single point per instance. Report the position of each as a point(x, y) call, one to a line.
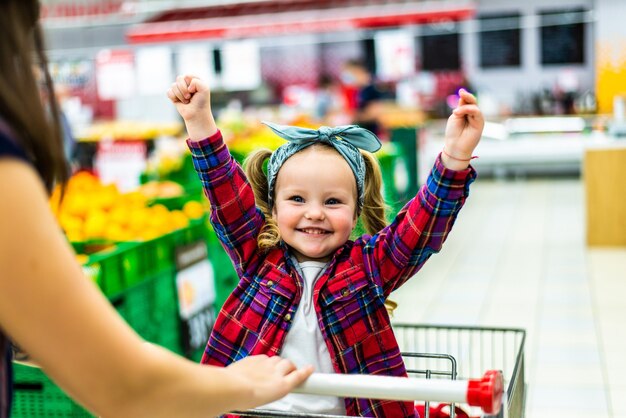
point(449, 364)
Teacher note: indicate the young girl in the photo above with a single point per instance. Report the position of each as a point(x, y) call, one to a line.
point(306, 291)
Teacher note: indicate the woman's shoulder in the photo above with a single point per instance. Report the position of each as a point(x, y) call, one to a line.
point(8, 143)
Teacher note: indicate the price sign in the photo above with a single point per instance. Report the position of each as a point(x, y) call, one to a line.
point(121, 162)
point(196, 294)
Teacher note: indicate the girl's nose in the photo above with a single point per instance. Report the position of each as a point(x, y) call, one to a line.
point(314, 212)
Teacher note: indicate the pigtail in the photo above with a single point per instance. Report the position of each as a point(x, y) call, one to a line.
point(374, 209)
point(253, 165)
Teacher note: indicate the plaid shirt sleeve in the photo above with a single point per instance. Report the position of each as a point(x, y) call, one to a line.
point(396, 253)
point(234, 215)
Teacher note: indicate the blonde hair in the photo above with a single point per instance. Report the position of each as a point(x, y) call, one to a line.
point(269, 236)
point(373, 213)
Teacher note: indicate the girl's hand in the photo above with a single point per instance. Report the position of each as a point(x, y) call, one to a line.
point(463, 131)
point(192, 98)
point(270, 378)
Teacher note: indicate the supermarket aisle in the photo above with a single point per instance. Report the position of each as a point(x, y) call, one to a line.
point(517, 258)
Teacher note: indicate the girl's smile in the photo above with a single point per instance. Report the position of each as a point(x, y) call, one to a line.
point(312, 231)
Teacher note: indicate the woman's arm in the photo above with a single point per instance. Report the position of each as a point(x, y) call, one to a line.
point(58, 316)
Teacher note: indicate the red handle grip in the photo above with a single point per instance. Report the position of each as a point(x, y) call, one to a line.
point(486, 392)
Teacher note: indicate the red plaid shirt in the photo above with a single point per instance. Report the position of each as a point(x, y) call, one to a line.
point(349, 296)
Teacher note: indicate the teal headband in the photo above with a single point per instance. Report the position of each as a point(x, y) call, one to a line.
point(345, 139)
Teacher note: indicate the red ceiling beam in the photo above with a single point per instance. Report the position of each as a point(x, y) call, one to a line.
point(255, 26)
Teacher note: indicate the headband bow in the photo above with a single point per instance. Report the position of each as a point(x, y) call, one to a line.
point(345, 139)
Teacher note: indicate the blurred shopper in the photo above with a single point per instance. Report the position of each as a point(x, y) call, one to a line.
point(329, 103)
point(367, 101)
point(306, 290)
point(56, 314)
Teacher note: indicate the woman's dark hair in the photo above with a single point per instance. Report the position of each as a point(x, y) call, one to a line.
point(35, 124)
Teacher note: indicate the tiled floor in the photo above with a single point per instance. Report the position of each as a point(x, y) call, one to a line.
point(517, 257)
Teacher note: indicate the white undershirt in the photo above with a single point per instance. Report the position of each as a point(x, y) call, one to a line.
point(305, 345)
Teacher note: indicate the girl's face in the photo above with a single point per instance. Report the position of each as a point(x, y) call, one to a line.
point(315, 204)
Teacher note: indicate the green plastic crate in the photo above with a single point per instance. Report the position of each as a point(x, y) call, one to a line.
point(388, 161)
point(129, 263)
point(226, 278)
point(35, 395)
point(161, 251)
point(151, 309)
point(116, 268)
point(406, 139)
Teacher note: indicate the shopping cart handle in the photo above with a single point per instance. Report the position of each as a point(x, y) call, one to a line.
point(485, 393)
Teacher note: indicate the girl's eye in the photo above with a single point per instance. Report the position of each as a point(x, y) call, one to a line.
point(298, 199)
point(332, 201)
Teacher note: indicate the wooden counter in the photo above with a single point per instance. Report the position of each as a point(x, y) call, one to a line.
point(604, 172)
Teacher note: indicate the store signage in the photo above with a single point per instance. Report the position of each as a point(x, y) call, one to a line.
point(241, 65)
point(195, 281)
point(153, 67)
point(395, 55)
point(198, 61)
point(115, 74)
point(121, 163)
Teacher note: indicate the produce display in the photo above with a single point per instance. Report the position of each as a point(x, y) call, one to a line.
point(91, 210)
point(130, 130)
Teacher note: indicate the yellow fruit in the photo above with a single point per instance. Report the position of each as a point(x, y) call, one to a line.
point(74, 235)
point(170, 189)
point(55, 201)
point(159, 210)
point(83, 181)
point(95, 225)
point(119, 215)
point(178, 219)
point(193, 209)
point(150, 190)
point(150, 233)
point(116, 232)
point(107, 197)
point(138, 219)
point(70, 222)
point(133, 199)
point(76, 205)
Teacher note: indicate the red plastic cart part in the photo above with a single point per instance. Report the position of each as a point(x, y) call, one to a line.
point(486, 392)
